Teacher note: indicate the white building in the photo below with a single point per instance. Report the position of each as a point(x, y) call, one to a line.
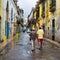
point(9, 14)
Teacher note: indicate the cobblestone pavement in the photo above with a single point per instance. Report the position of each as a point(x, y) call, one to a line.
point(23, 51)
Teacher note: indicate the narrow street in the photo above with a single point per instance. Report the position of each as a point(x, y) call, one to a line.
point(23, 51)
point(18, 18)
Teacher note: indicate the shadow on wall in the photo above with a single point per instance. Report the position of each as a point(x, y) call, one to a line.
point(48, 34)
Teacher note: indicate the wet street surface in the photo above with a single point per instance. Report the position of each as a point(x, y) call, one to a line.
point(23, 51)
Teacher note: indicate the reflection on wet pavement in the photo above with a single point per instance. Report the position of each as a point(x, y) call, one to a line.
point(23, 51)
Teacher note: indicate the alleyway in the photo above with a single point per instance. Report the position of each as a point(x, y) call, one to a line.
point(23, 51)
point(17, 17)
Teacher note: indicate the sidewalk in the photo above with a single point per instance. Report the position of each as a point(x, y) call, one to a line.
point(52, 42)
point(7, 42)
point(23, 51)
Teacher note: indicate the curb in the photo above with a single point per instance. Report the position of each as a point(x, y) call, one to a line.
point(52, 42)
point(4, 44)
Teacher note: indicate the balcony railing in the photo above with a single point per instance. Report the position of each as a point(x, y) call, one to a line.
point(43, 9)
point(37, 13)
point(42, 1)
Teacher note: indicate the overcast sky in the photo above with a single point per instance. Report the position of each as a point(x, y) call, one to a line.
point(27, 5)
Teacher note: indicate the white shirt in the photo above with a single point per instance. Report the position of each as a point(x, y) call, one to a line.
point(40, 33)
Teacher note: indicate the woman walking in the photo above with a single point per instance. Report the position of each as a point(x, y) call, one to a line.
point(40, 34)
point(33, 38)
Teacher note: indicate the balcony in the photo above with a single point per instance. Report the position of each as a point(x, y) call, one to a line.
point(53, 6)
point(43, 10)
point(37, 13)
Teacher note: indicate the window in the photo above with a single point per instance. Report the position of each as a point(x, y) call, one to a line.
point(37, 13)
point(43, 9)
point(53, 5)
point(11, 14)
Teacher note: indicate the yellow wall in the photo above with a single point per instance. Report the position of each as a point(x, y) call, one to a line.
point(0, 7)
point(35, 14)
point(35, 18)
point(47, 14)
point(40, 10)
point(41, 21)
point(37, 25)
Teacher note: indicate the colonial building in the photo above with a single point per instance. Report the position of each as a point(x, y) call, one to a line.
point(8, 14)
point(0, 16)
point(31, 19)
point(47, 15)
point(53, 19)
point(39, 13)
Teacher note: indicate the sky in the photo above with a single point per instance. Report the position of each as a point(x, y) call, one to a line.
point(27, 5)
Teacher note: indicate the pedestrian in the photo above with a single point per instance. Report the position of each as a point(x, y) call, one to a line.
point(40, 34)
point(32, 39)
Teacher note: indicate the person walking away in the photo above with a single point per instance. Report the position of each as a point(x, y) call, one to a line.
point(40, 34)
point(32, 39)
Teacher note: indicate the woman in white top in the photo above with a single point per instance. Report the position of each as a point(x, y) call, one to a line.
point(40, 34)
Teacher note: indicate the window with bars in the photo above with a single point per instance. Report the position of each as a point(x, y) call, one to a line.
point(37, 13)
point(52, 5)
point(11, 14)
point(43, 9)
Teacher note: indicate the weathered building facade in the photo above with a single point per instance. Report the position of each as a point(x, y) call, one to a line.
point(9, 16)
point(47, 16)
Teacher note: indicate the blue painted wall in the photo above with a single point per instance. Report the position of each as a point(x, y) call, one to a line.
point(7, 29)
